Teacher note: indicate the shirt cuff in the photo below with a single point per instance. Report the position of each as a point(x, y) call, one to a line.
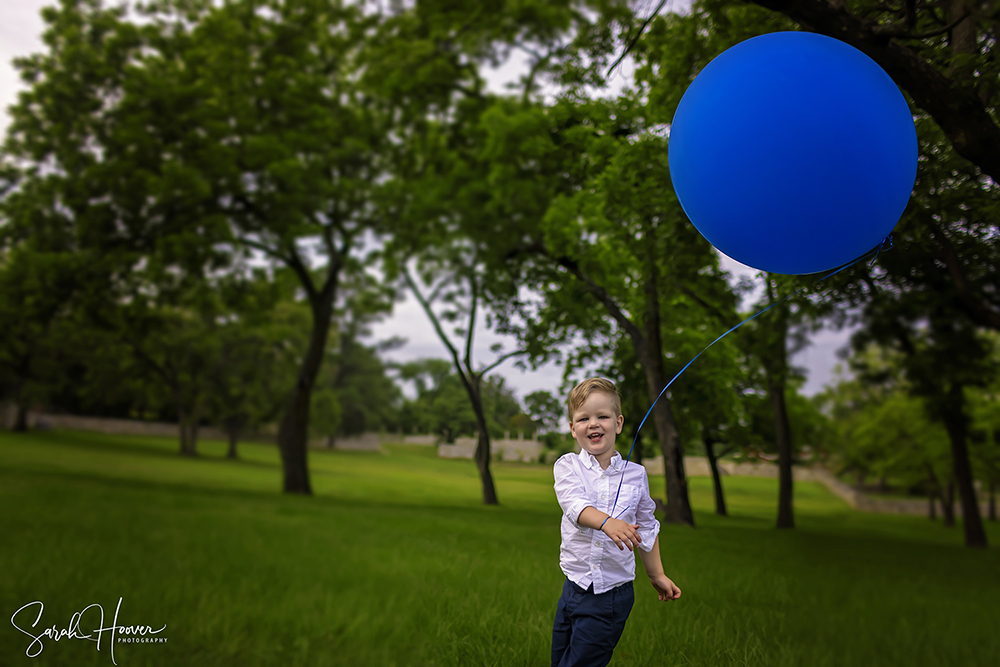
point(648, 536)
point(574, 511)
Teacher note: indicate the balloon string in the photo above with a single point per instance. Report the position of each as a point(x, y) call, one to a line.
point(887, 239)
point(876, 250)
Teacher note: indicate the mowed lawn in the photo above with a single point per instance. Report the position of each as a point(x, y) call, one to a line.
point(395, 561)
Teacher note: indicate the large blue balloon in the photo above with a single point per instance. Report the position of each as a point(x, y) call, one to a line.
point(793, 153)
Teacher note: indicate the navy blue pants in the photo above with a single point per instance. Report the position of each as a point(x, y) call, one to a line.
point(588, 625)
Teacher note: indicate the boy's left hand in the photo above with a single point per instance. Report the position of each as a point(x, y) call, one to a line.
point(667, 589)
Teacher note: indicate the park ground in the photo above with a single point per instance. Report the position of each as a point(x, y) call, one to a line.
point(395, 561)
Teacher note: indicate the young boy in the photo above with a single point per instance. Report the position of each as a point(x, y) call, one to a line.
point(597, 595)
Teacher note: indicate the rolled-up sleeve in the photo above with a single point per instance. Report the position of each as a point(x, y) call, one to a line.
point(570, 491)
point(649, 527)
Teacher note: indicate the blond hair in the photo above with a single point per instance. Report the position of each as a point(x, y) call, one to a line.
point(582, 391)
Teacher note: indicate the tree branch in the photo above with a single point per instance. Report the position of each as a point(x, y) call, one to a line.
point(711, 309)
point(159, 369)
point(956, 108)
point(977, 310)
point(635, 39)
point(574, 268)
point(500, 360)
point(267, 250)
point(902, 31)
point(602, 295)
point(434, 321)
point(472, 326)
point(295, 263)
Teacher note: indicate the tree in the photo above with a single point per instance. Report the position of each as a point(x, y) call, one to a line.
point(711, 399)
point(942, 356)
point(942, 56)
point(173, 332)
point(355, 394)
point(442, 406)
point(260, 341)
point(912, 301)
point(545, 410)
point(771, 340)
point(439, 93)
point(354, 387)
point(36, 287)
point(985, 439)
point(465, 286)
point(946, 65)
point(605, 244)
point(880, 429)
point(947, 68)
point(216, 130)
point(300, 162)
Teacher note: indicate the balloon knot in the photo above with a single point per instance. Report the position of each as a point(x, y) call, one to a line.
point(887, 239)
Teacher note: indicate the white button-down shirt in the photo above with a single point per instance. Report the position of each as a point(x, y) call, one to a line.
point(588, 556)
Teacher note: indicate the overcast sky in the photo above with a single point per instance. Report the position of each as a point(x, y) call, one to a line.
point(20, 34)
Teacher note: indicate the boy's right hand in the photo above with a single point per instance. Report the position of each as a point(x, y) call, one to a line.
point(623, 534)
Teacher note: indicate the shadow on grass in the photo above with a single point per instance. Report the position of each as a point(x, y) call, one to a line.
point(147, 447)
point(202, 495)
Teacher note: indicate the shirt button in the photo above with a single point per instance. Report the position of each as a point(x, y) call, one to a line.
point(603, 496)
point(597, 544)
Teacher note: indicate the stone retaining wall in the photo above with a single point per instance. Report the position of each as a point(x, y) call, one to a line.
point(527, 451)
point(116, 426)
point(697, 466)
point(510, 449)
point(111, 426)
point(429, 440)
point(366, 442)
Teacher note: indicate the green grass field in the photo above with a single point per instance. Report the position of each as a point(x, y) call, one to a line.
point(395, 561)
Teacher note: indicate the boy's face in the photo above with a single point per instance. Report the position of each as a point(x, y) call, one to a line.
point(595, 425)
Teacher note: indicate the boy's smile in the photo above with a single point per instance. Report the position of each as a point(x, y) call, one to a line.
point(595, 426)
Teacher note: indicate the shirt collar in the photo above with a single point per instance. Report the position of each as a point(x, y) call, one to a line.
point(590, 461)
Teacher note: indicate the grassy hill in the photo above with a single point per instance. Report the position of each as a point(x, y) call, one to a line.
point(395, 561)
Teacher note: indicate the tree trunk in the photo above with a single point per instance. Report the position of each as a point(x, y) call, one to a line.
point(293, 432)
point(649, 349)
point(234, 436)
point(931, 510)
point(183, 423)
point(963, 35)
point(483, 465)
point(948, 505)
point(783, 434)
point(934, 491)
point(21, 405)
point(21, 420)
point(636, 447)
point(713, 464)
point(775, 362)
point(678, 507)
point(193, 429)
point(993, 501)
point(482, 444)
point(189, 439)
point(956, 423)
